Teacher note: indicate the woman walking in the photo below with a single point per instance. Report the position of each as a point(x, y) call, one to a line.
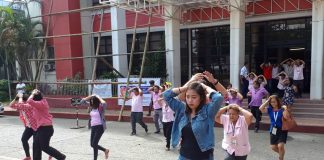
point(45, 130)
point(194, 119)
point(236, 131)
point(97, 123)
point(276, 112)
point(26, 116)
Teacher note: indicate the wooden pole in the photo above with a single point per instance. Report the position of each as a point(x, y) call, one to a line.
point(145, 49)
point(40, 64)
point(129, 66)
point(97, 51)
point(98, 56)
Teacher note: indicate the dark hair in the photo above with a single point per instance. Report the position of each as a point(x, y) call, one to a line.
point(197, 87)
point(38, 96)
point(156, 86)
point(151, 82)
point(94, 102)
point(24, 98)
point(207, 83)
point(278, 101)
point(136, 89)
point(245, 63)
point(257, 83)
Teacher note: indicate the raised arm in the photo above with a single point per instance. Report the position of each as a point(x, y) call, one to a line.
point(219, 114)
point(216, 100)
point(219, 87)
point(263, 107)
point(247, 115)
point(261, 65)
point(196, 77)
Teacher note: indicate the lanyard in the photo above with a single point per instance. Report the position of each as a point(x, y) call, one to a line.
point(233, 129)
point(275, 116)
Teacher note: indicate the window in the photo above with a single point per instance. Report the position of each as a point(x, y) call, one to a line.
point(105, 48)
point(50, 66)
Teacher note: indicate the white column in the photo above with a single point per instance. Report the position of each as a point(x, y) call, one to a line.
point(119, 40)
point(237, 40)
point(172, 42)
point(316, 89)
point(87, 40)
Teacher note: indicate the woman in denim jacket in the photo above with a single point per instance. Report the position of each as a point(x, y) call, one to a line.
point(194, 119)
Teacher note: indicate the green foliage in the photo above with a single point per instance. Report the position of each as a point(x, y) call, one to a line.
point(155, 65)
point(109, 75)
point(4, 96)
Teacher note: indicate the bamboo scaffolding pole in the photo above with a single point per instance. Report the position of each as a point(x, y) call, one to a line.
point(129, 67)
point(75, 83)
point(99, 56)
point(41, 64)
point(103, 6)
point(145, 49)
point(97, 51)
point(97, 32)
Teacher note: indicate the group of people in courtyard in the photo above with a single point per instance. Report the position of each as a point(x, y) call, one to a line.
point(187, 115)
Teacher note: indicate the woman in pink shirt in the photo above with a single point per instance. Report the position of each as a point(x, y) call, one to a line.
point(236, 131)
point(45, 130)
point(26, 116)
point(97, 122)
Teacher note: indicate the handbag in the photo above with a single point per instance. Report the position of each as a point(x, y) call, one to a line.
point(288, 123)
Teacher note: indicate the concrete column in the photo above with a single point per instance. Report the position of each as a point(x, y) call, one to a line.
point(172, 42)
point(119, 40)
point(87, 40)
point(316, 89)
point(237, 40)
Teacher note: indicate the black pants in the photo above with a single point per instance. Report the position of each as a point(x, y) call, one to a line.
point(96, 133)
point(137, 117)
point(150, 108)
point(42, 138)
point(245, 87)
point(257, 115)
point(300, 86)
point(167, 128)
point(274, 84)
point(233, 157)
point(28, 132)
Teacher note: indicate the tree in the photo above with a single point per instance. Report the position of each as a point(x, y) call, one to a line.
point(17, 39)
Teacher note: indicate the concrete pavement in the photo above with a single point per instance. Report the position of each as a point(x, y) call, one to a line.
point(75, 143)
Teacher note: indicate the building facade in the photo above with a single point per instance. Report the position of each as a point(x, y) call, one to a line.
point(218, 39)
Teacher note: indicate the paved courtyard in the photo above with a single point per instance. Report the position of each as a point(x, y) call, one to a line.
point(75, 143)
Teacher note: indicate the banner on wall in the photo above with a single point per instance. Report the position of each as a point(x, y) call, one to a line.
point(103, 90)
point(144, 87)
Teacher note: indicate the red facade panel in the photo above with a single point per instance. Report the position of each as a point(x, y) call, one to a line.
point(65, 47)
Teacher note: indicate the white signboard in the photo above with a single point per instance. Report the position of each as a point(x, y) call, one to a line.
point(103, 90)
point(144, 87)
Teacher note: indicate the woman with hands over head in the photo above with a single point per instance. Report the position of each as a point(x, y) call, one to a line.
point(194, 119)
point(276, 112)
point(45, 129)
point(97, 123)
point(236, 131)
point(26, 116)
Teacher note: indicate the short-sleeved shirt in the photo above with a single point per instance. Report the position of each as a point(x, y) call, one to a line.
point(257, 95)
point(289, 70)
point(298, 72)
point(267, 72)
point(234, 100)
point(239, 133)
point(288, 98)
point(244, 72)
point(275, 72)
point(95, 117)
point(155, 98)
point(137, 103)
point(280, 83)
point(20, 87)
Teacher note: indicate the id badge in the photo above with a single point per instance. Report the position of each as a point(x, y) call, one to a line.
point(274, 131)
point(234, 142)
